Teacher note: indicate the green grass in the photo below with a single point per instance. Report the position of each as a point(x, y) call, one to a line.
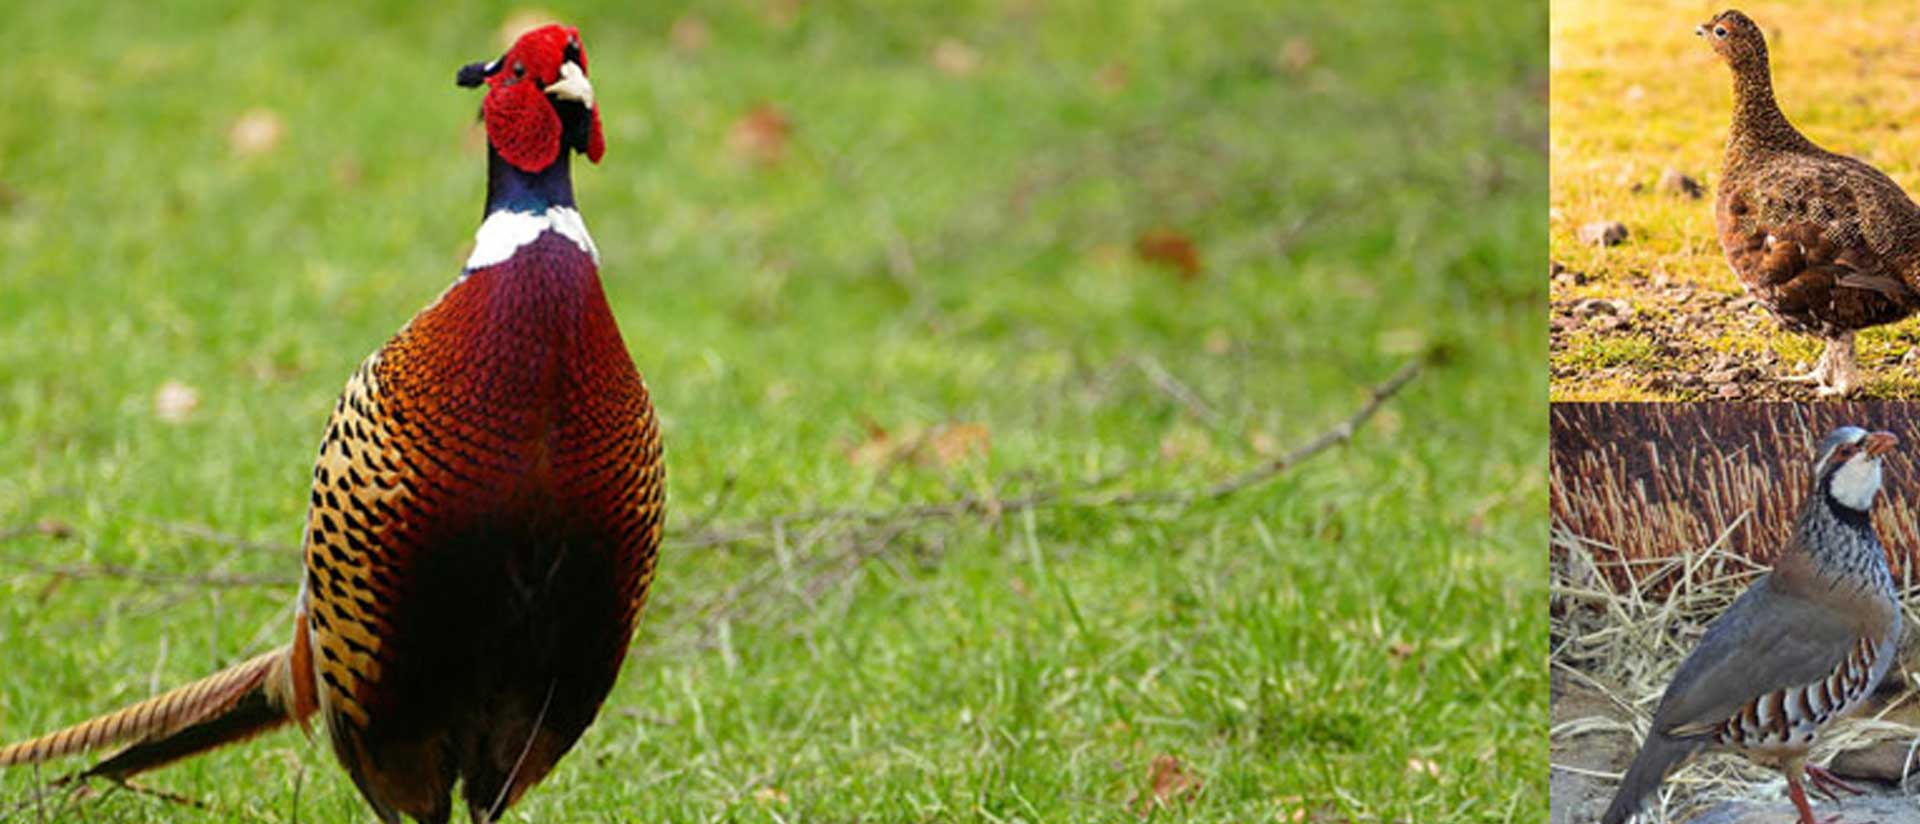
point(932, 249)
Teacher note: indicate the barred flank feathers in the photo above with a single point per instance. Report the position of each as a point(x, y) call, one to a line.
point(234, 704)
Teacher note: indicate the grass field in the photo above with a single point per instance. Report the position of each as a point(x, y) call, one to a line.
point(1636, 93)
point(914, 275)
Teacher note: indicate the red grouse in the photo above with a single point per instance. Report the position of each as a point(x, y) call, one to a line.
point(1828, 243)
point(484, 516)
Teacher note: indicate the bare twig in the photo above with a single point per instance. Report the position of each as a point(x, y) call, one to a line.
point(118, 572)
point(890, 521)
point(1179, 391)
point(201, 532)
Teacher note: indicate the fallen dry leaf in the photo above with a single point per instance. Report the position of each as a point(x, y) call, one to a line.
point(1184, 442)
point(954, 58)
point(689, 34)
point(761, 135)
point(256, 132)
point(346, 173)
point(1263, 443)
point(941, 446)
point(1169, 782)
point(174, 402)
point(521, 21)
point(771, 795)
point(1114, 77)
point(1168, 247)
point(956, 442)
point(782, 13)
point(1296, 55)
point(877, 449)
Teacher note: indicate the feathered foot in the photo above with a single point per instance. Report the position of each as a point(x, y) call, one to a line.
point(1837, 373)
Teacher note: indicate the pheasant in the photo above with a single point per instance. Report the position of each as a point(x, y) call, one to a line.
point(1829, 244)
point(1804, 645)
point(485, 509)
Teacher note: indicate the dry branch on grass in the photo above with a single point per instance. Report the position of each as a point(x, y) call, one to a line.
point(854, 535)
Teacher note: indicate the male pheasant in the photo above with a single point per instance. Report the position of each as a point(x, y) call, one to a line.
point(1804, 645)
point(1829, 244)
point(484, 515)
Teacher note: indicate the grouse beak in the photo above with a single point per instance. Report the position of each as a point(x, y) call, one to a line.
point(1879, 444)
point(572, 85)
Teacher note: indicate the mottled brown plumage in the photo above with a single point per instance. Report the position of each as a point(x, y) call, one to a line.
point(1830, 244)
point(484, 516)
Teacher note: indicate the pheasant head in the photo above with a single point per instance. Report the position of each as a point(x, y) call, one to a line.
point(539, 101)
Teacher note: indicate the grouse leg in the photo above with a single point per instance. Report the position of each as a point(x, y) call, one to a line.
point(1837, 373)
point(1844, 376)
point(1822, 368)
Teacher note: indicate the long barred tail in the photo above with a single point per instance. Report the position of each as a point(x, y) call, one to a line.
point(232, 705)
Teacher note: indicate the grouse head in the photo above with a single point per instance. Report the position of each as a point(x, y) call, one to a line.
point(538, 99)
point(1848, 469)
point(1736, 38)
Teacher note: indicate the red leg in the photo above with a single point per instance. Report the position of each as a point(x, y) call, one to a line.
point(1799, 795)
point(1828, 784)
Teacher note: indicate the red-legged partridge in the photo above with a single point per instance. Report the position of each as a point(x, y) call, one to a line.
point(1804, 645)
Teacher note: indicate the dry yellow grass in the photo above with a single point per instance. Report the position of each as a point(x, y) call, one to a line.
point(1635, 92)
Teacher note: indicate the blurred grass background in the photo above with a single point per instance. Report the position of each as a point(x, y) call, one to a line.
point(831, 232)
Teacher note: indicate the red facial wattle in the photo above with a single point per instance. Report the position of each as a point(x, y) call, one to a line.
point(521, 121)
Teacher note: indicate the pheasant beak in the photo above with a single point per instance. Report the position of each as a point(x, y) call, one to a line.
point(1700, 30)
point(572, 85)
point(1880, 443)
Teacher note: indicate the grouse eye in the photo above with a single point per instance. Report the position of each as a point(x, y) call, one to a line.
point(1720, 32)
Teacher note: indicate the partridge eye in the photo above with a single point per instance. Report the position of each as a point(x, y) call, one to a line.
point(1720, 31)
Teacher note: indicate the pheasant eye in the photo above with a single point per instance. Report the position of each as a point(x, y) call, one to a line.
point(1720, 32)
point(519, 69)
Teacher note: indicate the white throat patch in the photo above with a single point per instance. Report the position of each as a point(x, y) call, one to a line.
point(505, 231)
point(1856, 482)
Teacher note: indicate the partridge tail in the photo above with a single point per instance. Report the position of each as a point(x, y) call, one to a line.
point(1658, 755)
point(232, 705)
